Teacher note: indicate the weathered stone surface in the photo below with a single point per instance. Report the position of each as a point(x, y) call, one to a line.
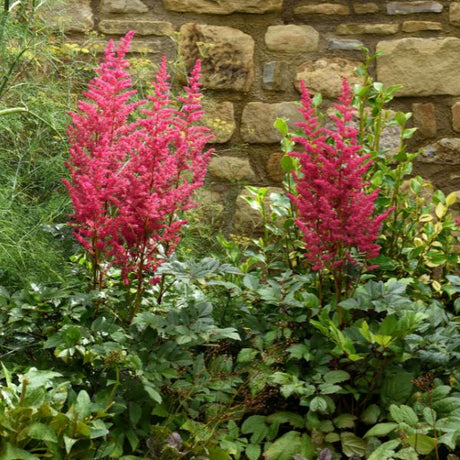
point(454, 13)
point(358, 29)
point(123, 6)
point(414, 7)
point(425, 118)
point(247, 220)
point(219, 117)
point(227, 55)
point(345, 44)
point(231, 169)
point(444, 151)
point(417, 26)
point(258, 118)
point(275, 76)
point(209, 210)
point(323, 8)
point(273, 167)
point(423, 66)
point(325, 75)
point(141, 26)
point(223, 6)
point(292, 38)
point(72, 16)
point(366, 8)
point(456, 117)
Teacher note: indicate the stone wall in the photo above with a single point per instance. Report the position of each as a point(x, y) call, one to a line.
point(255, 52)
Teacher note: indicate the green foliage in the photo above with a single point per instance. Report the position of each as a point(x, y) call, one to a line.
point(241, 356)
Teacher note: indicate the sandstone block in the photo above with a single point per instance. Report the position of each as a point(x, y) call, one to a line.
point(258, 118)
point(72, 16)
point(141, 26)
point(423, 66)
point(425, 118)
point(292, 38)
point(456, 117)
point(223, 6)
point(323, 8)
point(444, 151)
point(417, 26)
point(366, 8)
point(232, 169)
point(414, 7)
point(454, 13)
point(219, 117)
point(358, 29)
point(345, 44)
point(123, 6)
point(273, 167)
point(275, 76)
point(325, 75)
point(227, 55)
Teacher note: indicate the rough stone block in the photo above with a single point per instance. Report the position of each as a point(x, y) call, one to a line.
point(232, 169)
point(141, 26)
point(292, 38)
point(366, 8)
point(423, 66)
point(454, 13)
point(345, 44)
point(275, 76)
point(72, 16)
point(425, 118)
point(227, 55)
point(273, 167)
point(219, 117)
point(258, 118)
point(223, 6)
point(417, 26)
point(456, 117)
point(444, 151)
point(414, 7)
point(325, 75)
point(323, 8)
point(123, 6)
point(358, 29)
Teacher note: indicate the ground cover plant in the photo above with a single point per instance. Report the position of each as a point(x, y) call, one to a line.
point(334, 334)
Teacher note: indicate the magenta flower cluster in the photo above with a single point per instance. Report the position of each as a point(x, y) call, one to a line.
point(134, 165)
point(335, 213)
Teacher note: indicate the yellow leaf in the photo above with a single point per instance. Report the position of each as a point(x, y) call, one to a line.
point(436, 286)
point(451, 198)
point(440, 210)
point(425, 218)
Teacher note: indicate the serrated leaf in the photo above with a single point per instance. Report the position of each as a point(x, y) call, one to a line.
point(247, 355)
point(318, 404)
point(42, 432)
point(422, 443)
point(288, 164)
point(295, 420)
point(253, 451)
point(257, 427)
point(385, 450)
point(14, 453)
point(371, 414)
point(352, 445)
point(404, 414)
point(287, 446)
point(336, 376)
point(345, 421)
point(381, 429)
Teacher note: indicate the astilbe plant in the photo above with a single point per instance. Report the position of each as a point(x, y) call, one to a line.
point(334, 212)
point(133, 168)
